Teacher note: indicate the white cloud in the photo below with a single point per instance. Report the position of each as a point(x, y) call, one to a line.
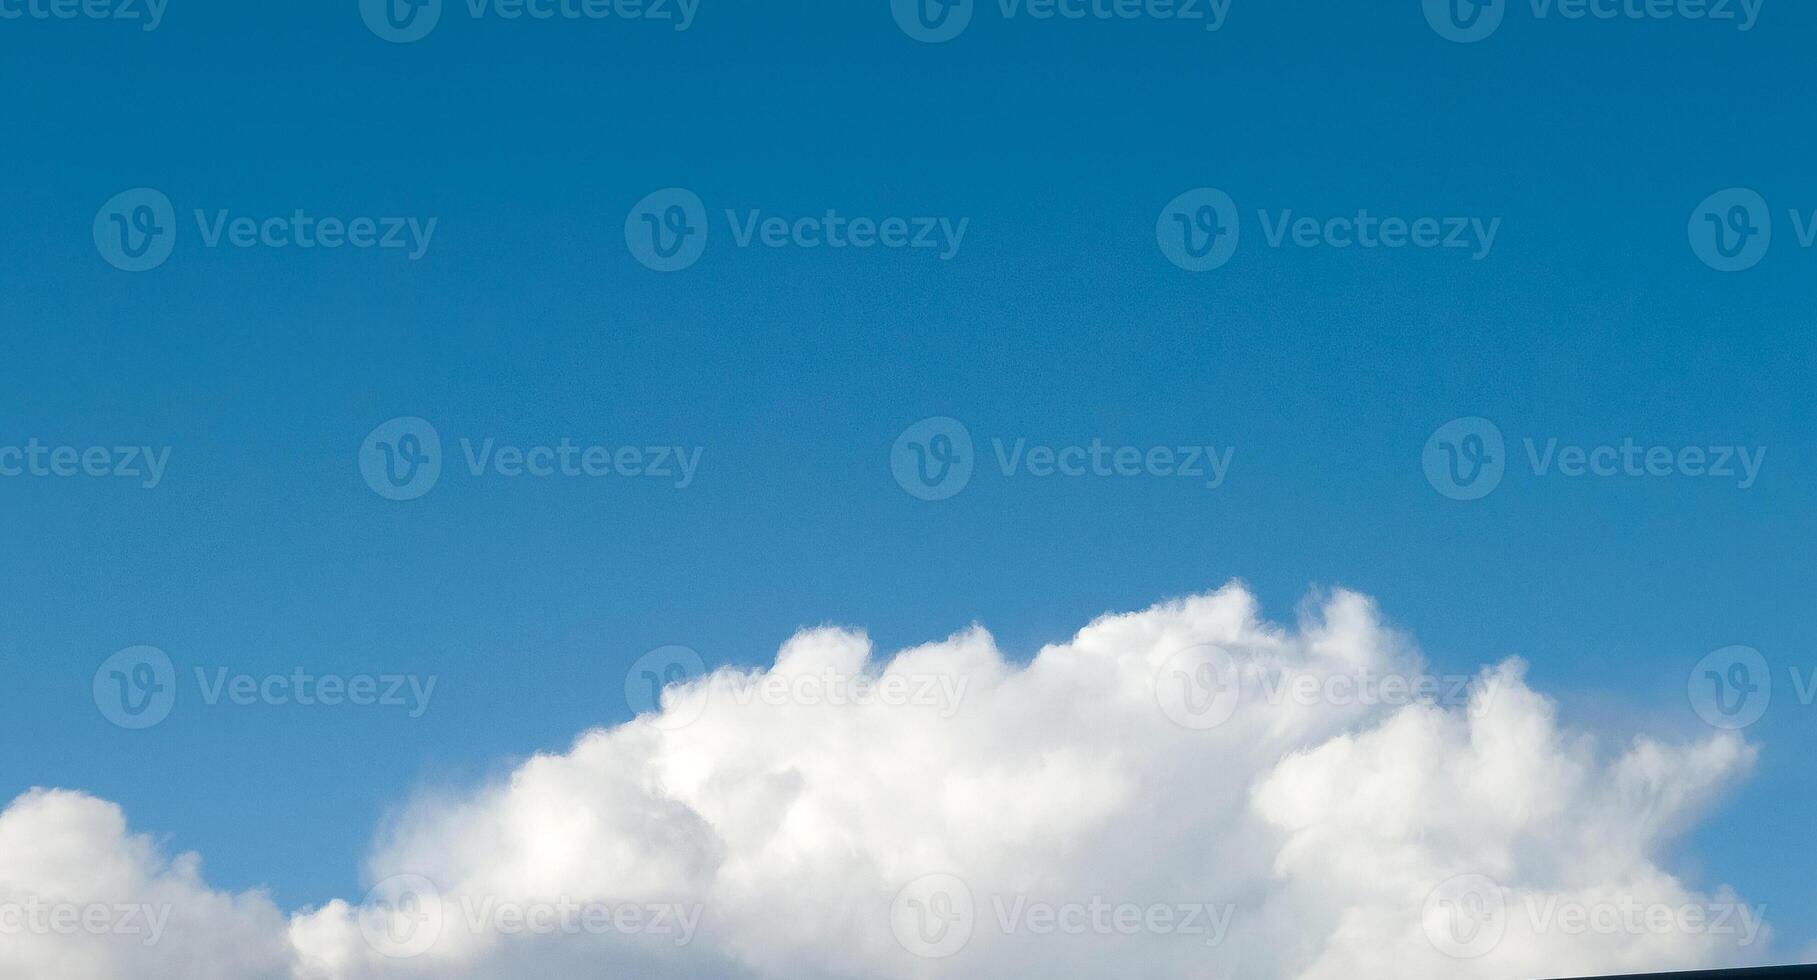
point(81, 899)
point(1298, 829)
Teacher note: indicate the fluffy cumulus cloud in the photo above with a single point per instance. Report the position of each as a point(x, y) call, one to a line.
point(82, 899)
point(1186, 791)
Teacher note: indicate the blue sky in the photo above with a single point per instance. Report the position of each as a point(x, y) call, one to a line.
point(1059, 320)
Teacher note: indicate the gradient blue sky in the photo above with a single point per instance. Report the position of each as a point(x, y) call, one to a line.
point(1060, 320)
